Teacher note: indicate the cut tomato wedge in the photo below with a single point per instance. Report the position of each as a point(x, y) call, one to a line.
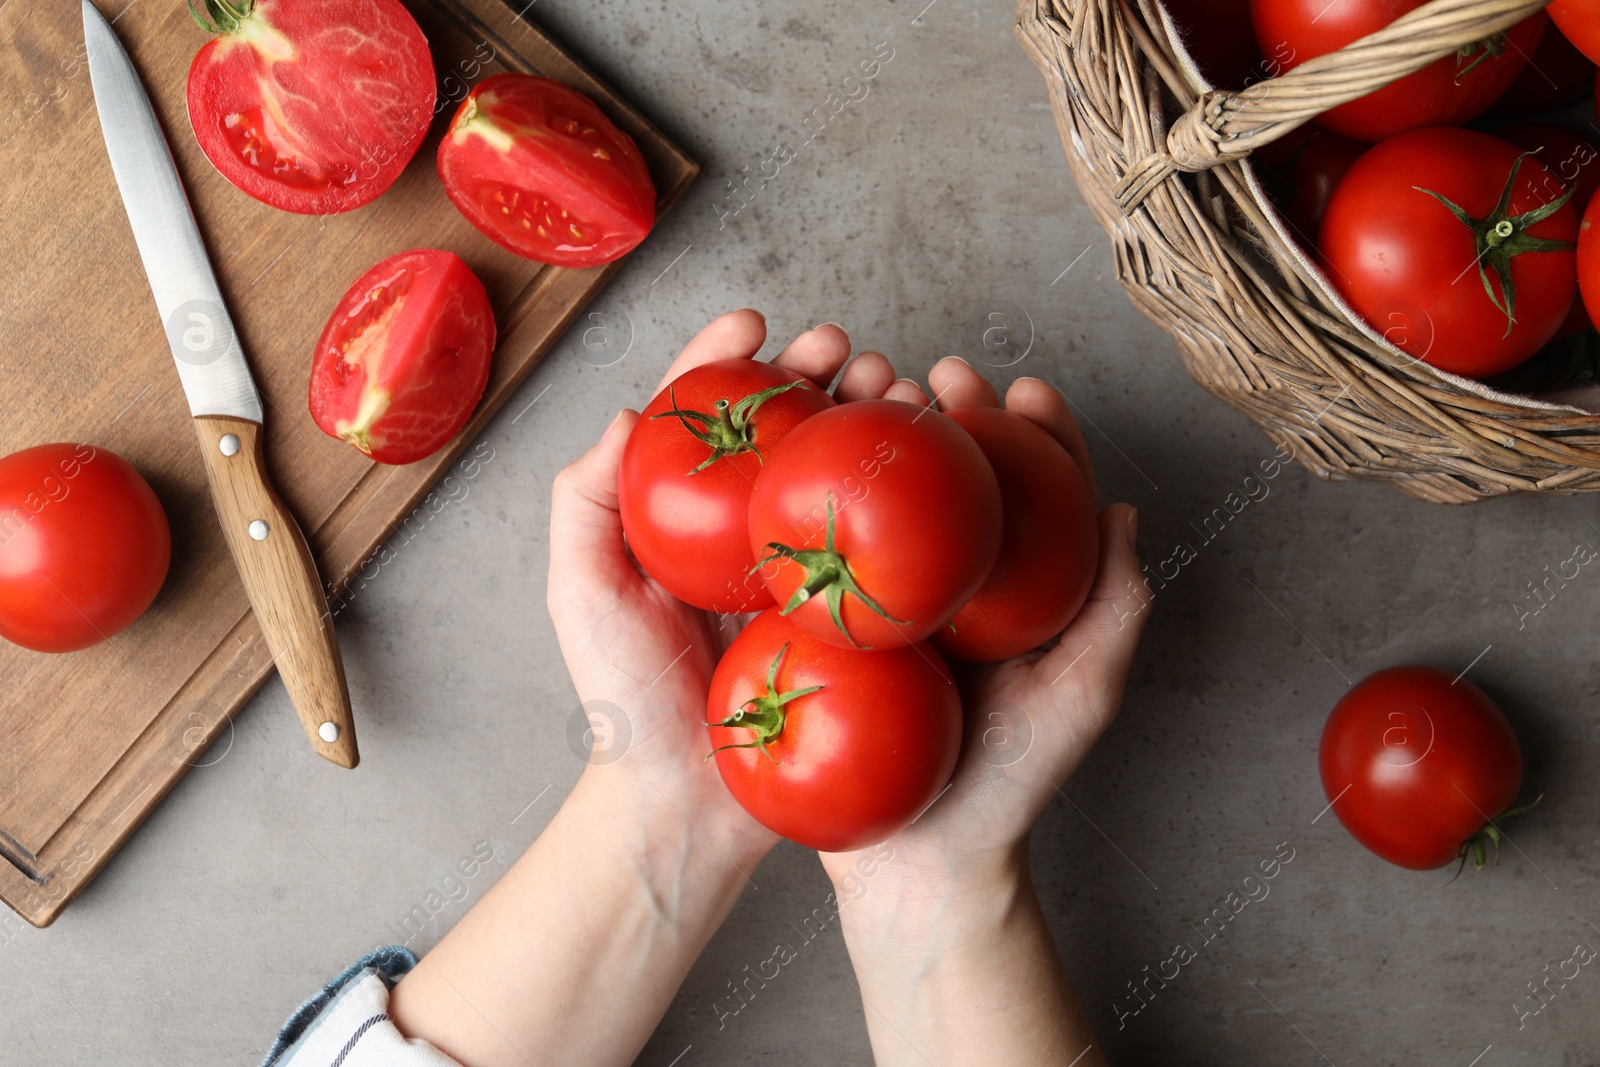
point(405, 357)
point(541, 171)
point(312, 106)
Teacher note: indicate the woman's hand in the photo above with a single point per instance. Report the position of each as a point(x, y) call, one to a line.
point(574, 955)
point(947, 938)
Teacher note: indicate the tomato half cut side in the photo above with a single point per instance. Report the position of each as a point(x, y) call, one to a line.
point(405, 357)
point(541, 171)
point(312, 106)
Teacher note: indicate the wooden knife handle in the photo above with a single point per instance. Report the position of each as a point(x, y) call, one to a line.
point(280, 578)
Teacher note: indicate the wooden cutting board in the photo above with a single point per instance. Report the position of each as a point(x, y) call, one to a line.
point(91, 741)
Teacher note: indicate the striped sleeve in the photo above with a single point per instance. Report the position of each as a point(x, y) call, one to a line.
point(347, 1024)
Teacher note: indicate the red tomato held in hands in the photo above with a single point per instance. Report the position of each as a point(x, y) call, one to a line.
point(404, 357)
point(832, 748)
point(1579, 22)
point(1050, 548)
point(312, 106)
point(874, 522)
point(1450, 91)
point(541, 171)
point(688, 469)
point(1416, 765)
point(84, 546)
point(1415, 240)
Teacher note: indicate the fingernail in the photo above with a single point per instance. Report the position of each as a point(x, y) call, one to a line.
point(958, 359)
point(1133, 529)
point(835, 325)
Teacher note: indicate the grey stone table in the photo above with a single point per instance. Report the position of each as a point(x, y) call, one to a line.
point(938, 196)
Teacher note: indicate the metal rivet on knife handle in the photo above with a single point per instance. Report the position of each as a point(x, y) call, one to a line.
point(229, 445)
point(259, 530)
point(329, 732)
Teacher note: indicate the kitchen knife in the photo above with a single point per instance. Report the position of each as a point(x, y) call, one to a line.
point(279, 575)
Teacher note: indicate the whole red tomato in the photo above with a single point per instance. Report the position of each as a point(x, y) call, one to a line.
point(687, 473)
point(541, 171)
point(312, 106)
point(1579, 22)
point(1589, 260)
point(1050, 547)
point(832, 748)
point(404, 358)
point(1418, 241)
point(1450, 91)
point(1301, 171)
point(1416, 765)
point(874, 522)
point(84, 546)
point(1556, 75)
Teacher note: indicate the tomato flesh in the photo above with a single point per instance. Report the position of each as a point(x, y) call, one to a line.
point(1050, 549)
point(541, 171)
point(915, 512)
point(1447, 92)
point(856, 760)
point(84, 546)
point(1415, 763)
point(687, 521)
point(1410, 268)
point(313, 106)
point(405, 357)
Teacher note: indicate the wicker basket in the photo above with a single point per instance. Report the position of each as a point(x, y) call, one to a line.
point(1203, 254)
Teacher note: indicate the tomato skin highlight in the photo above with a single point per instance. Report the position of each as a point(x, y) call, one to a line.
point(540, 170)
point(1405, 263)
point(405, 357)
point(690, 532)
point(84, 546)
point(858, 759)
point(916, 510)
point(1579, 21)
point(1050, 548)
point(314, 106)
point(1440, 94)
point(1414, 764)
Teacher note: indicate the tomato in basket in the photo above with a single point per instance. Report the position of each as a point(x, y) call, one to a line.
point(1447, 92)
point(1456, 246)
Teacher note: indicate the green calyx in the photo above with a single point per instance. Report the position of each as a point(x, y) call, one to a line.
point(764, 713)
point(1477, 846)
point(1472, 56)
point(827, 573)
point(221, 16)
point(731, 430)
point(1500, 237)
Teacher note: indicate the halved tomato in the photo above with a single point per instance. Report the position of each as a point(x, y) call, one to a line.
point(312, 106)
point(405, 356)
point(541, 171)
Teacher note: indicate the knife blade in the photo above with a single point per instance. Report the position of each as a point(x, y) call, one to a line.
point(267, 545)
